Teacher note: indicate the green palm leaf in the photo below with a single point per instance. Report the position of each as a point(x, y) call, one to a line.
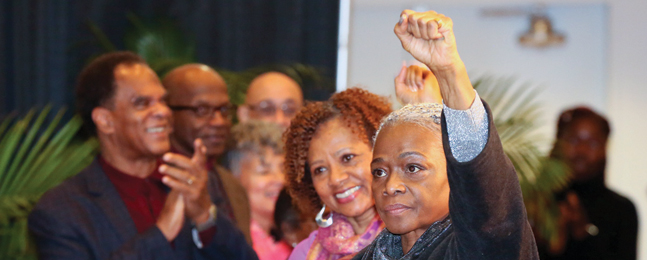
point(162, 44)
point(32, 162)
point(165, 46)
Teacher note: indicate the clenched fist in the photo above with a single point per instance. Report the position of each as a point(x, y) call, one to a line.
point(429, 37)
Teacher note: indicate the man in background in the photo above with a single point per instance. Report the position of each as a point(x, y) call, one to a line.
point(595, 222)
point(272, 97)
point(201, 109)
point(129, 204)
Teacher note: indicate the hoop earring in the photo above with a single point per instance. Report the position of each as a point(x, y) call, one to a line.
point(324, 223)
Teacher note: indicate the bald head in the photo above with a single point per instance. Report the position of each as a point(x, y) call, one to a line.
point(197, 94)
point(187, 80)
point(272, 96)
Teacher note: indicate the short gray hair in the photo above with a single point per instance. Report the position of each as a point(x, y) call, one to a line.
point(253, 136)
point(424, 114)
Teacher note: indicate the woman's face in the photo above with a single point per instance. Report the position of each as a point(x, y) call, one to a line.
point(340, 164)
point(409, 178)
point(262, 176)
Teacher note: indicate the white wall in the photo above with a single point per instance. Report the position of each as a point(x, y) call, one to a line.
point(603, 65)
point(574, 73)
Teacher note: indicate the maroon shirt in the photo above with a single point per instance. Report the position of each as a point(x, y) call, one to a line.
point(144, 198)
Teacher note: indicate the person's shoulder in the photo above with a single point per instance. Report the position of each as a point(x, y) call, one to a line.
point(221, 169)
point(66, 192)
point(62, 206)
point(300, 252)
point(621, 202)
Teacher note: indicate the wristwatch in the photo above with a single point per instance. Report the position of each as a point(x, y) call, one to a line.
point(211, 221)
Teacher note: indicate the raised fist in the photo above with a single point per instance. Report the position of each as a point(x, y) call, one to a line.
point(429, 37)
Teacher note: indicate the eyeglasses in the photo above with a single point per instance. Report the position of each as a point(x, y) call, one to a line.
point(203, 111)
point(268, 108)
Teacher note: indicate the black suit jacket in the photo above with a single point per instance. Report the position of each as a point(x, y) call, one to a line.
point(85, 218)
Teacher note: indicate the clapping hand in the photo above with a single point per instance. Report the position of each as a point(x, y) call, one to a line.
point(188, 177)
point(171, 218)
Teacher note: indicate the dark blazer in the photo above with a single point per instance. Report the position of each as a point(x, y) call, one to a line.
point(85, 218)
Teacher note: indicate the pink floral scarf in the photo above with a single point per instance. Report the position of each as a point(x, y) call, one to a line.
point(339, 239)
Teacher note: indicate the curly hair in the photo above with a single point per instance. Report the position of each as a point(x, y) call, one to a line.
point(359, 109)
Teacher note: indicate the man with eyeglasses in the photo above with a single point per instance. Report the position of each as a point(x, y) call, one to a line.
point(273, 97)
point(197, 95)
point(135, 200)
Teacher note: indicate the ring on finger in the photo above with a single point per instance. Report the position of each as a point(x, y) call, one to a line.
point(190, 180)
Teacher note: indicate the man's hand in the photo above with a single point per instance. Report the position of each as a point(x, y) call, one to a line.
point(576, 216)
point(573, 223)
point(189, 177)
point(171, 218)
point(417, 85)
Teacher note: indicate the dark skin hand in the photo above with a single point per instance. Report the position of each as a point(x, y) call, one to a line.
point(435, 46)
point(188, 178)
point(573, 222)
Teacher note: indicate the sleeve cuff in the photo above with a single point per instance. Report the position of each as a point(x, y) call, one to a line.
point(202, 238)
point(203, 233)
point(467, 130)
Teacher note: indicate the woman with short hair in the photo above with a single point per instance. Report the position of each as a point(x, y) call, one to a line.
point(441, 181)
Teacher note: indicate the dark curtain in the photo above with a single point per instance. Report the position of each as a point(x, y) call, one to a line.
point(45, 43)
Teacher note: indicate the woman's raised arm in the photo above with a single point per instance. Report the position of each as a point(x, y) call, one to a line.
point(429, 37)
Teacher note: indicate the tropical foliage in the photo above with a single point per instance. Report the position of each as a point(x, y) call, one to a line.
point(161, 43)
point(165, 46)
point(34, 157)
point(517, 115)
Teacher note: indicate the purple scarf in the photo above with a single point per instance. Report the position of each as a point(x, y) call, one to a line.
point(339, 239)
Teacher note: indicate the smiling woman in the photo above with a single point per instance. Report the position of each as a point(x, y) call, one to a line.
point(328, 165)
